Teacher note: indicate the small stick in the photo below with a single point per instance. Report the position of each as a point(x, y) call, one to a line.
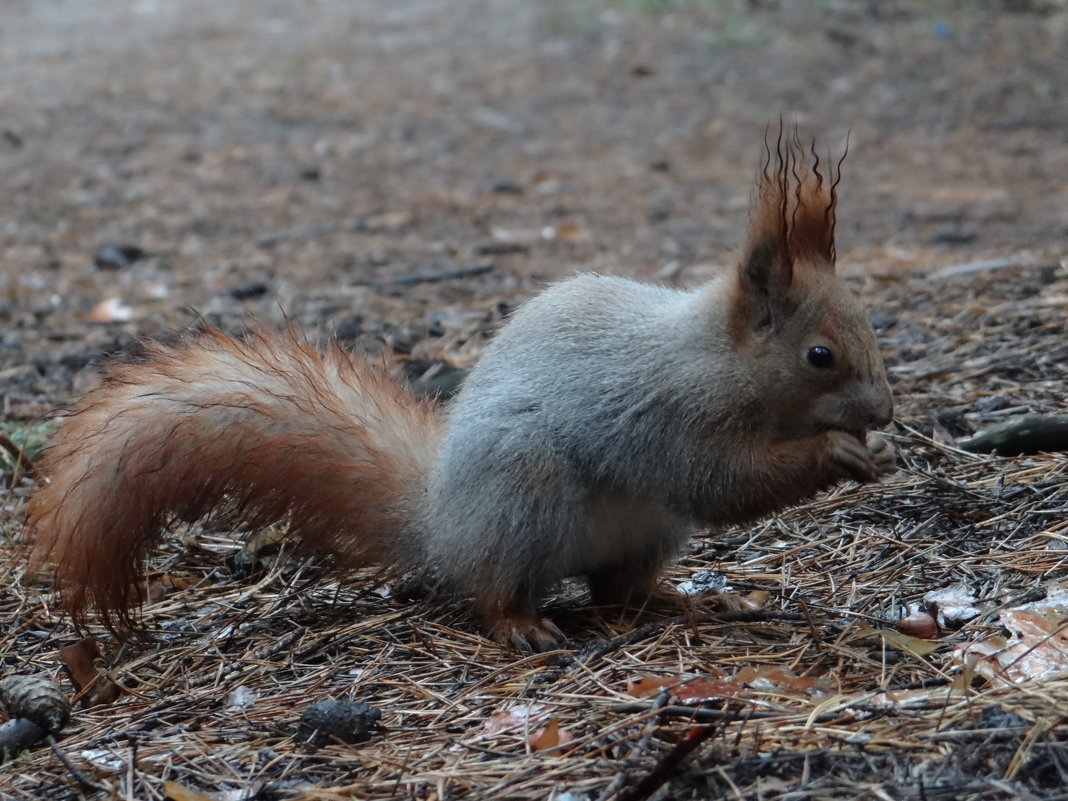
point(969, 267)
point(79, 777)
point(19, 454)
point(671, 762)
point(408, 279)
point(621, 778)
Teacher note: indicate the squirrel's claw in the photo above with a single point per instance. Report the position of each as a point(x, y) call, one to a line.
point(527, 635)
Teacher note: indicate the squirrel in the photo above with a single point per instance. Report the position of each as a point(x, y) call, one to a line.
point(604, 421)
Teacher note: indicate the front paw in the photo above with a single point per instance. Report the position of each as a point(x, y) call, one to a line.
point(850, 458)
point(883, 453)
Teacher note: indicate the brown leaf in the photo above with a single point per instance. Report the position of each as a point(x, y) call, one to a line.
point(85, 666)
point(904, 642)
point(550, 736)
point(781, 680)
point(567, 231)
point(158, 585)
point(514, 718)
point(686, 691)
point(757, 599)
point(648, 686)
point(179, 792)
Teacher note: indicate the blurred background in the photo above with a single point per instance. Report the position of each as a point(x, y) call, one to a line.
point(403, 174)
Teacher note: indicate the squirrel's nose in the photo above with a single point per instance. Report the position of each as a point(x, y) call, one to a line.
point(883, 408)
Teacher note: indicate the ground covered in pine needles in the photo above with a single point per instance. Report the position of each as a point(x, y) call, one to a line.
point(401, 179)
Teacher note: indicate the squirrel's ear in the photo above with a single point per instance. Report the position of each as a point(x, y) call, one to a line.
point(791, 222)
point(764, 276)
point(767, 268)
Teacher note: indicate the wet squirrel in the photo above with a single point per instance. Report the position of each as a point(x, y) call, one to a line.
point(606, 418)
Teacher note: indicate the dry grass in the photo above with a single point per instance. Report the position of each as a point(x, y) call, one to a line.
point(880, 722)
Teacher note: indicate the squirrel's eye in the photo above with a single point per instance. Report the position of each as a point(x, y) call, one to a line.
point(820, 357)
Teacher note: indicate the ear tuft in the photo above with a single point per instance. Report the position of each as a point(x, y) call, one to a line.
point(794, 207)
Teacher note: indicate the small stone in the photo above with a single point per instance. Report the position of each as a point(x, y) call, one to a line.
point(505, 186)
point(114, 256)
point(992, 403)
point(348, 328)
point(249, 291)
point(921, 625)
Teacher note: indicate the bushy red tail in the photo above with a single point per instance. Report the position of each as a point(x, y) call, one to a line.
point(323, 443)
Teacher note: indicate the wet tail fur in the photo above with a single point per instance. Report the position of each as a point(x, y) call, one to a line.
point(321, 442)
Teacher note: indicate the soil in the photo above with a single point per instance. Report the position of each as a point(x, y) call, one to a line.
point(403, 175)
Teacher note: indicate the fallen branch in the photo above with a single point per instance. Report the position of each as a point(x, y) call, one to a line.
point(1029, 433)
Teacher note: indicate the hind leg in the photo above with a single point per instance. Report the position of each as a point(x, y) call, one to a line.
point(514, 621)
point(629, 585)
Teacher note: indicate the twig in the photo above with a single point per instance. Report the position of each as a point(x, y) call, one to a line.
point(19, 454)
point(78, 775)
point(671, 762)
point(409, 279)
point(643, 743)
point(969, 267)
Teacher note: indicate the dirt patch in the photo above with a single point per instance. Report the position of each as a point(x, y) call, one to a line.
point(403, 177)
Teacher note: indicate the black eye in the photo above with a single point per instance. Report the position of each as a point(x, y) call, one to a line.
point(820, 357)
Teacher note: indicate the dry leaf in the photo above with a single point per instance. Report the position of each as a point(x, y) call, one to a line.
point(158, 585)
point(954, 605)
point(1037, 650)
point(907, 643)
point(550, 736)
point(84, 663)
point(757, 599)
point(648, 686)
point(179, 792)
point(567, 231)
point(388, 221)
point(781, 680)
point(904, 642)
point(686, 691)
point(514, 718)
